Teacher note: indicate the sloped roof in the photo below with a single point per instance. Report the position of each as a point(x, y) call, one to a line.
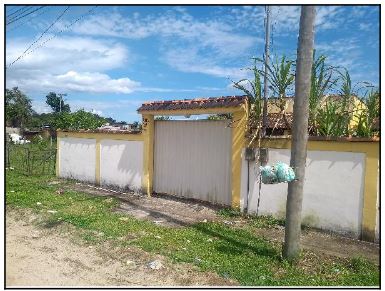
point(197, 103)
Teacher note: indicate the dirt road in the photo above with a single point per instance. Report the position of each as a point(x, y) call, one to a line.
point(38, 256)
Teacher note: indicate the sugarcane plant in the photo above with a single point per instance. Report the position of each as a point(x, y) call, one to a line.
point(253, 90)
point(369, 115)
point(322, 81)
point(281, 76)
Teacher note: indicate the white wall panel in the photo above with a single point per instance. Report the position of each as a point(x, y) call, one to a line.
point(121, 163)
point(77, 158)
point(333, 190)
point(193, 159)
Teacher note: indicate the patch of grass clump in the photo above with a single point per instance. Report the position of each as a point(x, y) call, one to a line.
point(235, 253)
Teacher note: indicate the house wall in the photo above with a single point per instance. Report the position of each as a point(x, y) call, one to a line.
point(338, 188)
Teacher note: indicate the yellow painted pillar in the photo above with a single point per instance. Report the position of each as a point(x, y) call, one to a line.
point(370, 193)
point(239, 126)
point(97, 162)
point(57, 155)
point(148, 153)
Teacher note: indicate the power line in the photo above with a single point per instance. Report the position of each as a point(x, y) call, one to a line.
point(13, 20)
point(28, 20)
point(44, 32)
point(55, 35)
point(13, 7)
point(23, 7)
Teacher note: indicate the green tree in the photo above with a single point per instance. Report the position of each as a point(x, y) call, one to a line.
point(56, 103)
point(80, 119)
point(18, 108)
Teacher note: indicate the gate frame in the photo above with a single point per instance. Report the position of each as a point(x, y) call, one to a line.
point(238, 125)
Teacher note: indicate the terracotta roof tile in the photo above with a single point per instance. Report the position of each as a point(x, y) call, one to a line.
point(198, 103)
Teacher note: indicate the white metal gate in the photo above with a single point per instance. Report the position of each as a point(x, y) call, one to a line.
point(193, 159)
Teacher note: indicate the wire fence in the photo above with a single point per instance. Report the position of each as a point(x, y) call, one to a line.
point(30, 159)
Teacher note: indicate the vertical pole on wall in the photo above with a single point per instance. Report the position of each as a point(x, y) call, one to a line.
point(265, 80)
point(148, 154)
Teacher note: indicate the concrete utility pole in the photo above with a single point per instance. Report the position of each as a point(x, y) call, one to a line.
point(61, 99)
point(291, 248)
point(265, 80)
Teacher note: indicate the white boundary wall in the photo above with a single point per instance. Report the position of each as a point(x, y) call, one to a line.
point(333, 190)
point(121, 163)
point(77, 158)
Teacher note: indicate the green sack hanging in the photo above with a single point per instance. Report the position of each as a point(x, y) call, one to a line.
point(279, 173)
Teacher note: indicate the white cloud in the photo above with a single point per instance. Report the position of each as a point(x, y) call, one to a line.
point(213, 41)
point(284, 19)
point(69, 53)
point(215, 34)
point(98, 112)
point(69, 64)
point(93, 82)
point(189, 60)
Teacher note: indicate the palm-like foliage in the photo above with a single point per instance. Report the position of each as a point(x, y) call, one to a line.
point(253, 90)
point(281, 77)
point(322, 81)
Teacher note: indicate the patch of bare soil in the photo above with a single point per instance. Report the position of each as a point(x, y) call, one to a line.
point(171, 211)
point(327, 244)
point(162, 209)
point(37, 256)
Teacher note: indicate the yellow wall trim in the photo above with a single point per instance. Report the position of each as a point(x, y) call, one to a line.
point(102, 135)
point(148, 153)
point(57, 157)
point(238, 142)
point(97, 161)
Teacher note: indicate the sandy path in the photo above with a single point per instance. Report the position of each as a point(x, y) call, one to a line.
point(49, 257)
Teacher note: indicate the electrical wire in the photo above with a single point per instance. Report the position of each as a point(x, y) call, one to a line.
point(13, 8)
point(13, 20)
point(23, 7)
point(28, 20)
point(45, 31)
point(55, 35)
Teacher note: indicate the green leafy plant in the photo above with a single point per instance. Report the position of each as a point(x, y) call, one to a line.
point(322, 80)
point(253, 90)
point(331, 121)
point(369, 114)
point(281, 78)
point(80, 119)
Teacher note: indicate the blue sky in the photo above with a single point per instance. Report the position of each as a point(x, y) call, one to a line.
point(117, 57)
